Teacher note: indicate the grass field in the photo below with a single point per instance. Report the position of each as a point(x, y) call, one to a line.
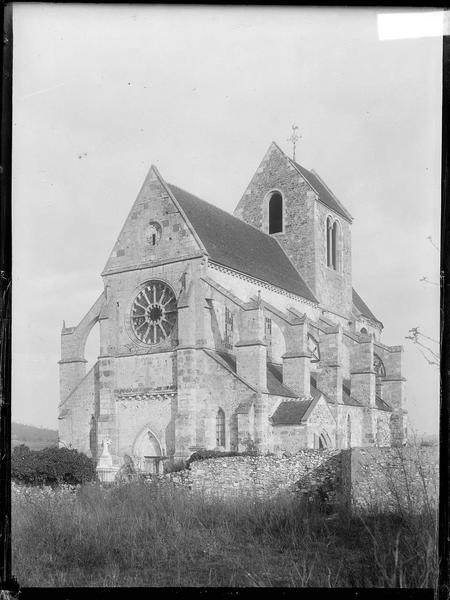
point(155, 534)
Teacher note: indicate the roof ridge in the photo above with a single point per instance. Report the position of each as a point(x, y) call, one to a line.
point(171, 185)
point(222, 210)
point(295, 284)
point(342, 210)
point(299, 168)
point(330, 191)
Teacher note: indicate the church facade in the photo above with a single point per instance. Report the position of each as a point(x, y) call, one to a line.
point(222, 331)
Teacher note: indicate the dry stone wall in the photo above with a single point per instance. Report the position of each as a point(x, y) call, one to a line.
point(363, 478)
point(266, 476)
point(404, 479)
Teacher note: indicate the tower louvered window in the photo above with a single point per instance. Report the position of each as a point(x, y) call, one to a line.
point(228, 329)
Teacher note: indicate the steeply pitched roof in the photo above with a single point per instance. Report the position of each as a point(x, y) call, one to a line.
point(349, 400)
point(325, 194)
point(291, 412)
point(275, 382)
point(235, 244)
point(274, 377)
point(382, 405)
point(362, 307)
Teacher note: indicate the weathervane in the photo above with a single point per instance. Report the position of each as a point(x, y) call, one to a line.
point(294, 139)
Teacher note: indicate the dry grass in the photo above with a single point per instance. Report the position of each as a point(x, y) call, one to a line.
point(145, 534)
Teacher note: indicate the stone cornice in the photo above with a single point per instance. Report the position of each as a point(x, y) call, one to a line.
point(288, 355)
point(65, 361)
point(367, 372)
point(145, 352)
point(151, 264)
point(144, 395)
point(250, 343)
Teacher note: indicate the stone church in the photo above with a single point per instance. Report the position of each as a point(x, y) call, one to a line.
point(222, 331)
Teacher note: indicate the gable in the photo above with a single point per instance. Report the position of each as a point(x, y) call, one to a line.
point(154, 213)
point(233, 243)
point(280, 173)
point(324, 193)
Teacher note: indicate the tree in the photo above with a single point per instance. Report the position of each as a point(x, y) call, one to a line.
point(430, 355)
point(430, 352)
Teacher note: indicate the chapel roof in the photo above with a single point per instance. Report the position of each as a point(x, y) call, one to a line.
point(274, 377)
point(275, 382)
point(381, 404)
point(291, 412)
point(233, 243)
point(362, 307)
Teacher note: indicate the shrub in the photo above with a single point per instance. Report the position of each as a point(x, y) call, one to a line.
point(205, 454)
point(50, 466)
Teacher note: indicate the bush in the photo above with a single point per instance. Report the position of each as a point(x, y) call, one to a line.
point(50, 466)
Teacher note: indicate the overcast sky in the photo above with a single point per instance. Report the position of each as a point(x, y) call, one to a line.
point(102, 92)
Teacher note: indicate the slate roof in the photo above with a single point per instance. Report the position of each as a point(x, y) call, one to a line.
point(382, 405)
point(325, 194)
point(275, 382)
point(362, 307)
point(236, 244)
point(274, 379)
point(349, 400)
point(291, 412)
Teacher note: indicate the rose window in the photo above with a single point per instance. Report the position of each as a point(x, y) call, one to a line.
point(154, 312)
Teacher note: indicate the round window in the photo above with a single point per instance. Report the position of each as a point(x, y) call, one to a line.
point(154, 312)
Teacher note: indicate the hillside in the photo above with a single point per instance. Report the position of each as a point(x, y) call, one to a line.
point(35, 438)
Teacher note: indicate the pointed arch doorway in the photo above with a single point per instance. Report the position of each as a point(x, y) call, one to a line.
point(147, 452)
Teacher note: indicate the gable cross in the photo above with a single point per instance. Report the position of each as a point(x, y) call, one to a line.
point(294, 139)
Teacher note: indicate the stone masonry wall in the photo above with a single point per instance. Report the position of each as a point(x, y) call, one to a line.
point(392, 478)
point(362, 478)
point(76, 412)
point(266, 476)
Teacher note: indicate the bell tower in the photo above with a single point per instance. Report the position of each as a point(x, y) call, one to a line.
point(294, 205)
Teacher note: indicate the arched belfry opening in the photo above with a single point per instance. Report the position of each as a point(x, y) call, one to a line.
point(276, 213)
